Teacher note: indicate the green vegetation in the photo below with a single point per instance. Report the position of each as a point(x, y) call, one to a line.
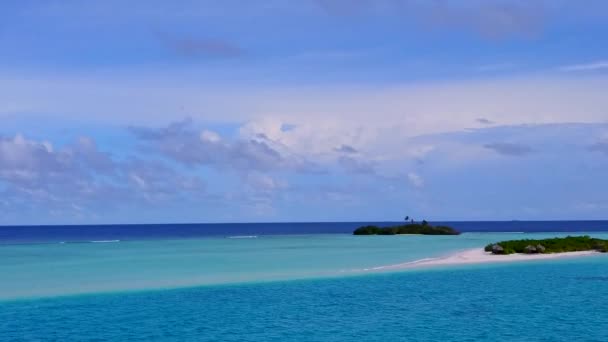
point(424, 228)
point(555, 245)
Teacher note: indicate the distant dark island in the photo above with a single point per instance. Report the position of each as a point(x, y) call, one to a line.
point(423, 228)
point(543, 246)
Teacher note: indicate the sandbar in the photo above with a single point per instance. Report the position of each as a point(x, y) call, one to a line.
point(479, 256)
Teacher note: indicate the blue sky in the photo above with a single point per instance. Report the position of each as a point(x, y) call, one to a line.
point(306, 110)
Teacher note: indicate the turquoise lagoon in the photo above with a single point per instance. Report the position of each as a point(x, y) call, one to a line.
point(295, 288)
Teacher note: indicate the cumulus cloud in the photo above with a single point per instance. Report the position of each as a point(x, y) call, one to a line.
point(345, 149)
point(78, 177)
point(155, 181)
point(484, 121)
point(355, 165)
point(265, 184)
point(509, 149)
point(37, 164)
point(415, 180)
point(184, 143)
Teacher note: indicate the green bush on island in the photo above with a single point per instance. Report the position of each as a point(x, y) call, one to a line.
point(544, 246)
point(412, 228)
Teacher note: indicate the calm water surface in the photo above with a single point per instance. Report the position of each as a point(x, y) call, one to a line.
point(294, 288)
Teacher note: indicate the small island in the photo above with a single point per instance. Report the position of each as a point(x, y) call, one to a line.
point(423, 228)
point(546, 246)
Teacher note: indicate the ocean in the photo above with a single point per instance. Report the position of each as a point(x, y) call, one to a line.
point(90, 233)
point(310, 282)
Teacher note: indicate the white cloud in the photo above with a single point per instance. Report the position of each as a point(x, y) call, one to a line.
point(598, 65)
point(413, 108)
point(377, 121)
point(263, 183)
point(210, 136)
point(415, 180)
point(182, 142)
point(79, 177)
point(509, 149)
point(138, 180)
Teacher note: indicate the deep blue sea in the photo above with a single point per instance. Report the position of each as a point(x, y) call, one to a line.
point(292, 282)
point(87, 233)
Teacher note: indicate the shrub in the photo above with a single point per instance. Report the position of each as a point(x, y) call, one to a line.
point(555, 245)
point(406, 229)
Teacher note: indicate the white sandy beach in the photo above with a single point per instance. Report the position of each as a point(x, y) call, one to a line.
point(479, 256)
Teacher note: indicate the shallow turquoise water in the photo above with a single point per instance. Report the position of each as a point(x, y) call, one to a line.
point(63, 269)
point(557, 300)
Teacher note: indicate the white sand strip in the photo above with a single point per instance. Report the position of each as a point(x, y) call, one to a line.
point(479, 256)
